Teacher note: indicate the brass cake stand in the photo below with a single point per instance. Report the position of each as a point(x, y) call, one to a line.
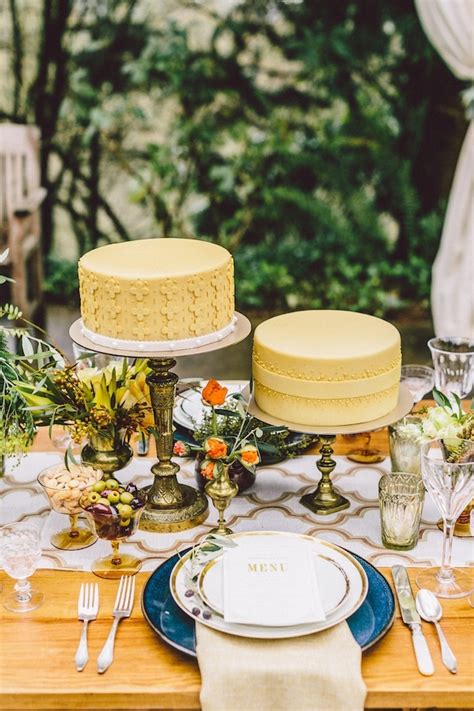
point(171, 506)
point(326, 499)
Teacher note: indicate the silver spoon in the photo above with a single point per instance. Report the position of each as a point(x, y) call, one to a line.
point(430, 610)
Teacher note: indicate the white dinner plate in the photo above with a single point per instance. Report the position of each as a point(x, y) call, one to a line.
point(189, 410)
point(340, 600)
point(333, 582)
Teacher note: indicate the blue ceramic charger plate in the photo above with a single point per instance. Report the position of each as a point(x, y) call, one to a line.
point(368, 624)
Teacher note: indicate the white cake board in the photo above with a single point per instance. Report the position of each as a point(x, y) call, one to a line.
point(404, 405)
point(241, 331)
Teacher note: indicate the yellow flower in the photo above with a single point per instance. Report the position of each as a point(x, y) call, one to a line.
point(137, 392)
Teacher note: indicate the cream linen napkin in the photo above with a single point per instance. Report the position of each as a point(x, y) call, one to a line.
point(319, 672)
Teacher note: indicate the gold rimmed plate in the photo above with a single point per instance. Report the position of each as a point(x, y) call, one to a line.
point(334, 583)
point(344, 603)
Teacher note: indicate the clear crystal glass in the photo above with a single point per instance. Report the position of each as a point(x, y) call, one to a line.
point(21, 553)
point(401, 498)
point(419, 379)
point(453, 360)
point(404, 443)
point(447, 467)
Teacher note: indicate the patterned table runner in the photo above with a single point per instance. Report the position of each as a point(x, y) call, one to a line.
point(271, 504)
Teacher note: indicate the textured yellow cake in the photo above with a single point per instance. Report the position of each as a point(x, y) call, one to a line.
point(326, 367)
point(166, 293)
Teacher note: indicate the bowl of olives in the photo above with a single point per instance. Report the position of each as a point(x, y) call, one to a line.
point(114, 509)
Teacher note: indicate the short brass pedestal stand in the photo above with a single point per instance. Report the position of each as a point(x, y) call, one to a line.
point(171, 506)
point(325, 500)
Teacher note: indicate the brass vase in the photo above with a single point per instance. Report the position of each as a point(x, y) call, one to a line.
point(221, 490)
point(106, 453)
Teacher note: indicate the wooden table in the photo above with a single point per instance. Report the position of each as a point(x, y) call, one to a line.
point(37, 654)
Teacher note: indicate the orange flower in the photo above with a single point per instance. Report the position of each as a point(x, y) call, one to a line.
point(250, 455)
point(215, 447)
point(213, 393)
point(207, 469)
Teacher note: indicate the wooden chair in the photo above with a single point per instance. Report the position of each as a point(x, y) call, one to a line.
point(20, 227)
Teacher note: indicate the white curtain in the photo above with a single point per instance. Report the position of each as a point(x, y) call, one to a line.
point(449, 25)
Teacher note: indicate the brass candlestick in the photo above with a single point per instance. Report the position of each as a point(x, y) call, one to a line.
point(222, 490)
point(171, 506)
point(325, 499)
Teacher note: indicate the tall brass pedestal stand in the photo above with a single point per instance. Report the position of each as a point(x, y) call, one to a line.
point(171, 506)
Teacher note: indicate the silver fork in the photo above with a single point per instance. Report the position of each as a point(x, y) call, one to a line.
point(87, 609)
point(122, 608)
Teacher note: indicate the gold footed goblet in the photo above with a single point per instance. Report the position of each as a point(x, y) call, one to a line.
point(64, 489)
point(115, 515)
point(221, 490)
point(366, 454)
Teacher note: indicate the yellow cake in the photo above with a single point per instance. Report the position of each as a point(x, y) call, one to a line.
point(326, 367)
point(164, 293)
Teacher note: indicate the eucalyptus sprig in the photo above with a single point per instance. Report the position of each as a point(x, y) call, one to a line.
point(210, 547)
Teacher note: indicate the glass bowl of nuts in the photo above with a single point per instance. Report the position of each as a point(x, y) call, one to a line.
point(64, 488)
point(114, 510)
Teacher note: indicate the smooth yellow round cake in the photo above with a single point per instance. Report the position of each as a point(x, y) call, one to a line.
point(326, 367)
point(165, 292)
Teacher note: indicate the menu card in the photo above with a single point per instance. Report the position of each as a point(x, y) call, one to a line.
point(271, 585)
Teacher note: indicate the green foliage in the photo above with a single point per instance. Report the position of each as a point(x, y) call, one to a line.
point(293, 133)
point(302, 166)
point(61, 282)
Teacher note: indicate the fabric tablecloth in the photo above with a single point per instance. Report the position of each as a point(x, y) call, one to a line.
point(271, 504)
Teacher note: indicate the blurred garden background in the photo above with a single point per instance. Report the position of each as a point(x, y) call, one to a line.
point(315, 139)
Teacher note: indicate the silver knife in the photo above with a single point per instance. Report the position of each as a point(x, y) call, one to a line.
point(411, 618)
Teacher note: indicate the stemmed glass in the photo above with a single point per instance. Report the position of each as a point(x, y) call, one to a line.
point(21, 553)
point(56, 481)
point(453, 360)
point(419, 379)
point(447, 467)
point(115, 522)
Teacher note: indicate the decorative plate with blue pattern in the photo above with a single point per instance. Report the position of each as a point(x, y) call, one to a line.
point(368, 624)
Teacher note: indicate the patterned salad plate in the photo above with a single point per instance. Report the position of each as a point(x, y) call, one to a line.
point(189, 410)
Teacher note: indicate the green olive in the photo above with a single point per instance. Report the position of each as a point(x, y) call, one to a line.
point(98, 486)
point(125, 522)
point(94, 497)
point(103, 501)
point(114, 497)
point(126, 497)
point(112, 484)
point(126, 511)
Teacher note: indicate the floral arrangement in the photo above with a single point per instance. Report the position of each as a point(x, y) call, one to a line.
point(111, 402)
point(274, 444)
point(243, 444)
point(445, 420)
